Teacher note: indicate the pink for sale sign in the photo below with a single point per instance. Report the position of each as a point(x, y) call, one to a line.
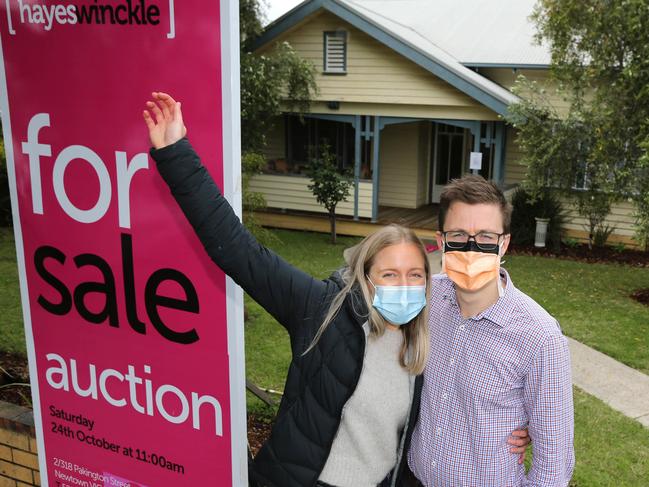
point(134, 335)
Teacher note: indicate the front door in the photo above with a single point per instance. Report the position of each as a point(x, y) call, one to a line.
point(448, 156)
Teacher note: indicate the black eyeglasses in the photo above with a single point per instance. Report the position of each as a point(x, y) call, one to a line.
point(485, 241)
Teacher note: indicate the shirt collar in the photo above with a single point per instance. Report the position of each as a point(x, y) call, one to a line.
point(498, 313)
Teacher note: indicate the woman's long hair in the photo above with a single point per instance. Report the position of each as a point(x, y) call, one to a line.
point(360, 259)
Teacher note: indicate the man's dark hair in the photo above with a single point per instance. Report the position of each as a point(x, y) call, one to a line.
point(473, 189)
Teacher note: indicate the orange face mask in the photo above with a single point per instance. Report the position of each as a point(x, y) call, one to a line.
point(470, 270)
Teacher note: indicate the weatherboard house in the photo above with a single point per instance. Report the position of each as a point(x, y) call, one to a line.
point(407, 91)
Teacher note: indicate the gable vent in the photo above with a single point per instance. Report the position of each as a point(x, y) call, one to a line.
point(335, 52)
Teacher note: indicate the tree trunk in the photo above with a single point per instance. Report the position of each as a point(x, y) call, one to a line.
point(332, 221)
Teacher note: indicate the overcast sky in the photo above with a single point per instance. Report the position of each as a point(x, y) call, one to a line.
point(276, 8)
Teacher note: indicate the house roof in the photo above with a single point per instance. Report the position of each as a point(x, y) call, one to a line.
point(474, 32)
point(501, 36)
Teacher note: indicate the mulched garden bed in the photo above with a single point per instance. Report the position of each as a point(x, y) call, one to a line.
point(14, 370)
point(642, 296)
point(258, 432)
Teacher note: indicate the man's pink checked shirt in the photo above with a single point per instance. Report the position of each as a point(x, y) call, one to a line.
point(504, 369)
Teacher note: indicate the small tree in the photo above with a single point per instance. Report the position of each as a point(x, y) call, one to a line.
point(563, 152)
point(271, 83)
point(642, 202)
point(642, 220)
point(330, 186)
point(595, 207)
point(253, 163)
point(599, 51)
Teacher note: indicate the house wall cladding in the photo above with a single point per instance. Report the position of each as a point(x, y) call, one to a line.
point(399, 183)
point(18, 452)
point(376, 74)
point(276, 140)
point(506, 77)
point(292, 193)
point(407, 111)
point(620, 218)
point(514, 170)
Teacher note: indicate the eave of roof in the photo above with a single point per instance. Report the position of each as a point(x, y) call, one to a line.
point(506, 65)
point(433, 59)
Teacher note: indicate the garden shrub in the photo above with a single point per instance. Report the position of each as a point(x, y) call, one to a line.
point(601, 234)
point(523, 226)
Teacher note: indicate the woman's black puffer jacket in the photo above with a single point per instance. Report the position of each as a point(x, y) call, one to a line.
point(319, 383)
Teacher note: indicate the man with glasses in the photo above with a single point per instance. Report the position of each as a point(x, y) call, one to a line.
point(498, 361)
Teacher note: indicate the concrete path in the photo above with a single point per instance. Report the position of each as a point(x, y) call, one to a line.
point(621, 387)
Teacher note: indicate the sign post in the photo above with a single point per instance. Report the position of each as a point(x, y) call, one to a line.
point(135, 338)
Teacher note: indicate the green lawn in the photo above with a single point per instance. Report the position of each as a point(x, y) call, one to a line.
point(610, 449)
point(590, 300)
point(12, 334)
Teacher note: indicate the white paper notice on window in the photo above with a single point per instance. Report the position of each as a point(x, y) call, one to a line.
point(476, 161)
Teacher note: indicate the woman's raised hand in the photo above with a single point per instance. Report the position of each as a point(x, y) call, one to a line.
point(166, 124)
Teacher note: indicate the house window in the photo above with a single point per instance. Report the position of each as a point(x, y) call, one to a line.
point(582, 179)
point(582, 173)
point(308, 136)
point(335, 52)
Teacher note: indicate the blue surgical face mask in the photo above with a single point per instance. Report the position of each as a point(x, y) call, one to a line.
point(399, 304)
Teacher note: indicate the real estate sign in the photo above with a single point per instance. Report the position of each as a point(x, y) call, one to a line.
point(134, 336)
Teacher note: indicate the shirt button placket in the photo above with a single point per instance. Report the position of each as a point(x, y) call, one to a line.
point(460, 337)
point(456, 348)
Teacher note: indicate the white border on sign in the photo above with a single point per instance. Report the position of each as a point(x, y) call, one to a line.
point(172, 21)
point(234, 294)
point(231, 110)
point(22, 273)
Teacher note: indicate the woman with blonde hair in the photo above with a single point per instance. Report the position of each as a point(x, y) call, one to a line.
point(359, 338)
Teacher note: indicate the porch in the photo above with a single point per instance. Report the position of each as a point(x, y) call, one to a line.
point(399, 166)
point(422, 220)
